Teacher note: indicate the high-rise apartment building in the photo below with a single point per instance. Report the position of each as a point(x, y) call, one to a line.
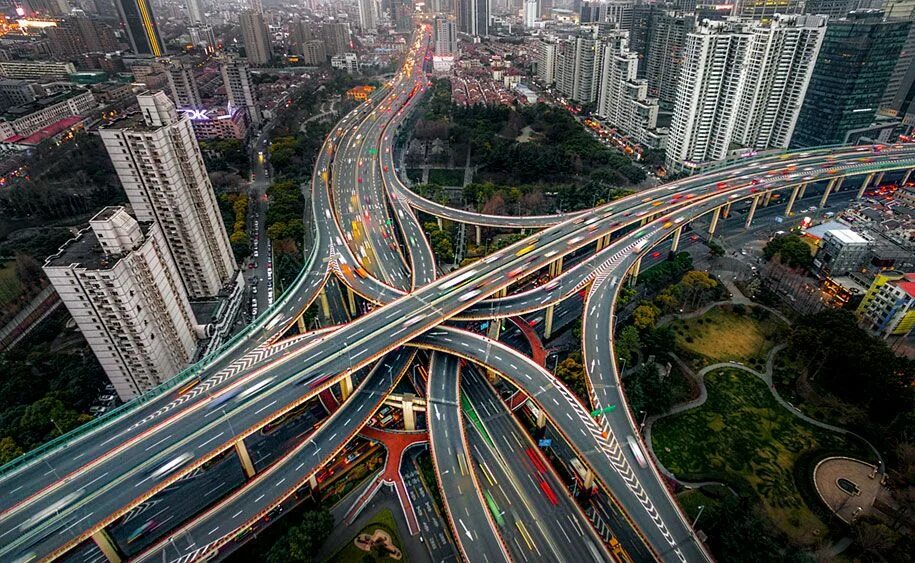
point(473, 17)
point(78, 35)
point(618, 12)
point(856, 60)
point(623, 100)
point(446, 44)
point(766, 9)
point(183, 86)
point(531, 12)
point(161, 168)
point(402, 15)
point(835, 9)
point(140, 24)
point(741, 85)
point(203, 36)
point(195, 12)
point(667, 39)
point(236, 76)
point(314, 52)
point(578, 67)
point(366, 15)
point(902, 79)
point(336, 38)
point(120, 283)
point(545, 61)
point(256, 37)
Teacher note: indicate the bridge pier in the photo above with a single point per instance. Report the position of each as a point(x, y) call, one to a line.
point(245, 458)
point(829, 188)
point(541, 418)
point(409, 415)
point(675, 241)
point(325, 304)
point(753, 212)
point(313, 481)
point(634, 272)
point(906, 177)
point(346, 386)
point(714, 222)
point(556, 267)
point(351, 297)
point(438, 220)
point(767, 198)
point(588, 481)
point(794, 193)
point(864, 185)
point(548, 323)
point(726, 211)
point(106, 546)
point(300, 323)
point(479, 233)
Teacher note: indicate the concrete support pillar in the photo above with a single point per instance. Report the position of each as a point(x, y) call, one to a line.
point(879, 179)
point(644, 221)
point(714, 223)
point(548, 326)
point(351, 297)
point(541, 418)
point(794, 193)
point(767, 198)
point(106, 546)
point(300, 323)
point(346, 386)
point(726, 211)
point(409, 415)
point(839, 183)
point(313, 482)
point(600, 244)
point(325, 304)
point(479, 233)
point(675, 242)
point(556, 267)
point(906, 177)
point(495, 329)
point(752, 212)
point(864, 185)
point(588, 481)
point(828, 191)
point(439, 221)
point(800, 194)
point(245, 458)
point(634, 272)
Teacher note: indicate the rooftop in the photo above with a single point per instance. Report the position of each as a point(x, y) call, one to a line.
point(847, 236)
point(85, 251)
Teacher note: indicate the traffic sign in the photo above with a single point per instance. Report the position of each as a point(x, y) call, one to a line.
point(545, 442)
point(605, 410)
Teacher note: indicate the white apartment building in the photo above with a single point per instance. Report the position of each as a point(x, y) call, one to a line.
point(446, 43)
point(366, 15)
point(121, 285)
point(623, 101)
point(160, 165)
point(531, 12)
point(545, 53)
point(183, 86)
point(236, 76)
point(32, 70)
point(347, 61)
point(741, 85)
point(578, 65)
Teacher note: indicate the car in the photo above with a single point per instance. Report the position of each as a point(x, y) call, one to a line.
point(106, 398)
point(171, 465)
point(516, 272)
point(655, 254)
point(469, 295)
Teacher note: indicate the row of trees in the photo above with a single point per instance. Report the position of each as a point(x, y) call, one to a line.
point(789, 249)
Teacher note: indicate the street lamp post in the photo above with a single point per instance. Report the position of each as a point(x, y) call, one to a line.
point(696, 519)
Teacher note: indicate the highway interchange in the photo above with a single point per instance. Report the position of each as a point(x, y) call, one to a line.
point(366, 234)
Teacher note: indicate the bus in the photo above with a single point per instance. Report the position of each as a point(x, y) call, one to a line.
point(637, 451)
point(494, 509)
point(526, 249)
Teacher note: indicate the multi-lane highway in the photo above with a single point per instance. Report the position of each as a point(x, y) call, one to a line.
point(367, 235)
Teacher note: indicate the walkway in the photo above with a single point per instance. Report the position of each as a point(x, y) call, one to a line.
point(395, 443)
point(538, 352)
point(765, 377)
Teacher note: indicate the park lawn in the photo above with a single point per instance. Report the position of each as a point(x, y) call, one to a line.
point(446, 176)
point(383, 520)
point(415, 175)
point(723, 334)
point(743, 437)
point(10, 286)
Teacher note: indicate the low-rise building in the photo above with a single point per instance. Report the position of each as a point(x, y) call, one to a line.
point(27, 119)
point(888, 307)
point(841, 251)
point(347, 61)
point(360, 93)
point(219, 123)
point(33, 70)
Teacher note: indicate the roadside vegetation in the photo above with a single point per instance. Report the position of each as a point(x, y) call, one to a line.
point(729, 333)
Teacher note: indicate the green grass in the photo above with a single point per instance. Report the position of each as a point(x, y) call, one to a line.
point(743, 437)
point(446, 176)
point(383, 520)
point(415, 175)
point(10, 287)
point(723, 334)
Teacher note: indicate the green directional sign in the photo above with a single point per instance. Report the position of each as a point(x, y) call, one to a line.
point(373, 151)
point(605, 410)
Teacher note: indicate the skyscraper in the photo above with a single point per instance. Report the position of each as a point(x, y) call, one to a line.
point(256, 37)
point(473, 17)
point(903, 75)
point(336, 38)
point(623, 99)
point(194, 12)
point(835, 9)
point(119, 281)
point(183, 86)
point(445, 37)
point(240, 88)
point(140, 24)
point(665, 54)
point(366, 15)
point(578, 66)
point(856, 60)
point(531, 12)
point(741, 85)
point(402, 15)
point(545, 60)
point(78, 35)
point(161, 168)
point(766, 9)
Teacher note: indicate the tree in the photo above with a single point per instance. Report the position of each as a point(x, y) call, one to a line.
point(645, 316)
point(715, 249)
point(572, 372)
point(9, 450)
point(301, 541)
point(627, 344)
point(790, 249)
point(697, 286)
point(647, 391)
